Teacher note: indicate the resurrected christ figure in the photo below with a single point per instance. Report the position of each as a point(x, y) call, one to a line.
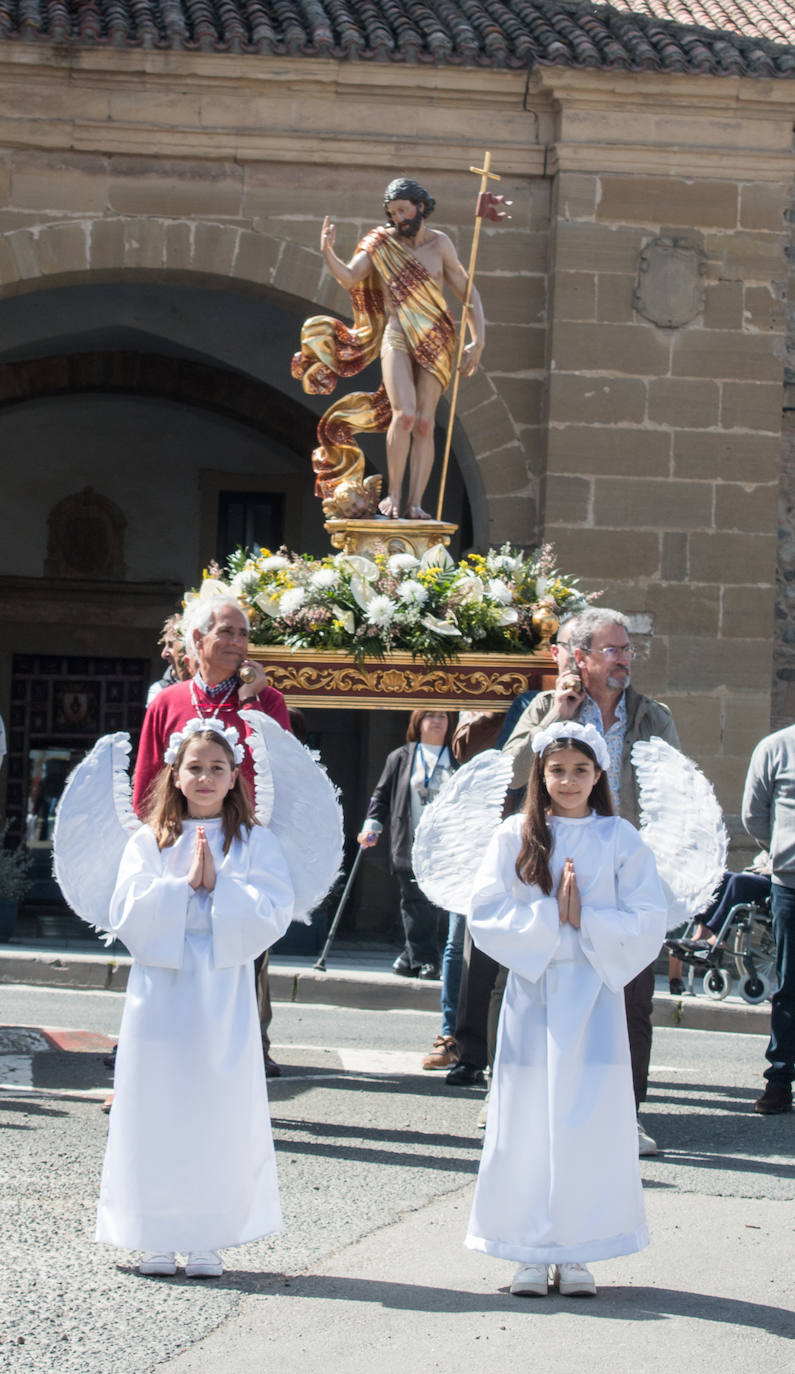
point(396, 281)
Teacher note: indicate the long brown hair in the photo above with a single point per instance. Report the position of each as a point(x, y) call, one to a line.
point(166, 808)
point(532, 864)
point(413, 731)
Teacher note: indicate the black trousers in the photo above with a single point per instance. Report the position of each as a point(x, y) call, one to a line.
point(477, 980)
point(422, 922)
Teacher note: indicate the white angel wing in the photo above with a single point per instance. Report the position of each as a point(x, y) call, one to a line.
point(93, 823)
point(682, 824)
point(305, 814)
point(455, 829)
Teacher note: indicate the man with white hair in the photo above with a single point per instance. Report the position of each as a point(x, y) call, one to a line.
point(593, 687)
point(216, 632)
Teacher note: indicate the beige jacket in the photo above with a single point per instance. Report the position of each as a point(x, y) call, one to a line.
point(645, 718)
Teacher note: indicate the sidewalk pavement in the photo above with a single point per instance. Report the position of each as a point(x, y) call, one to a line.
point(355, 976)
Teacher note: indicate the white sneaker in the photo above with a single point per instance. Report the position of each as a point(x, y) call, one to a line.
point(204, 1264)
point(531, 1280)
point(646, 1145)
point(575, 1281)
point(152, 1263)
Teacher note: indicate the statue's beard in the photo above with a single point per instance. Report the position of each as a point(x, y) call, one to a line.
point(410, 228)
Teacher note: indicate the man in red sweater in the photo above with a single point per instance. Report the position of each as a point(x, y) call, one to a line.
point(215, 634)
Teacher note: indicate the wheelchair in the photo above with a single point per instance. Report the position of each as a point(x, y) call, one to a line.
point(744, 950)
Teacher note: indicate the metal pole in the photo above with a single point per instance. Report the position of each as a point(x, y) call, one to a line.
point(321, 963)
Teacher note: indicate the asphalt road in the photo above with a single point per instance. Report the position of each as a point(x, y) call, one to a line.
point(376, 1162)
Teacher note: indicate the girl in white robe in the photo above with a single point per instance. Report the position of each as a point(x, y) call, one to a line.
point(559, 1181)
point(201, 890)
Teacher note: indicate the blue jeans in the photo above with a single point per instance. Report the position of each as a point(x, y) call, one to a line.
point(452, 963)
point(781, 1049)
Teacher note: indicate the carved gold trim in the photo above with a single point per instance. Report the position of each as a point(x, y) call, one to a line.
point(332, 680)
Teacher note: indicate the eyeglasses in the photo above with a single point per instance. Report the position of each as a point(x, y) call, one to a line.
point(612, 651)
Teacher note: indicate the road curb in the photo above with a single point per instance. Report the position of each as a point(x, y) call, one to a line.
point(365, 991)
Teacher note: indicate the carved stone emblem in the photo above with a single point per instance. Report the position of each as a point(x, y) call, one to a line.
point(670, 285)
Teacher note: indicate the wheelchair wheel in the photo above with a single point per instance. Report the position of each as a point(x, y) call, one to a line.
point(755, 989)
point(754, 950)
point(717, 983)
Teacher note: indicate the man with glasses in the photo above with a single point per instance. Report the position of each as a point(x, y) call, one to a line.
point(594, 657)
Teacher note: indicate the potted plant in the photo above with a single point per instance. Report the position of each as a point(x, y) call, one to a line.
point(14, 882)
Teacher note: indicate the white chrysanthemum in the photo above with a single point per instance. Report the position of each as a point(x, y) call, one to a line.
point(498, 592)
point(244, 582)
point(440, 627)
point(324, 578)
point(412, 592)
point(380, 611)
point(291, 600)
point(274, 563)
point(504, 563)
point(402, 563)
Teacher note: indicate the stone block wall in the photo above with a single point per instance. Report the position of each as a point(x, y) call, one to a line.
point(664, 442)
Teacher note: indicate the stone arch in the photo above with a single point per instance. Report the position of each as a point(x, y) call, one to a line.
point(147, 248)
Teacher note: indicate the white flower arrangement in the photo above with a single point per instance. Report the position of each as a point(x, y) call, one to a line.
point(372, 606)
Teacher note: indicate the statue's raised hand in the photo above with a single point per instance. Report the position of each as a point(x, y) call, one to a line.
point(328, 235)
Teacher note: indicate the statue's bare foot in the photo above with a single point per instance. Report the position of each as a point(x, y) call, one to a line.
point(417, 513)
point(390, 507)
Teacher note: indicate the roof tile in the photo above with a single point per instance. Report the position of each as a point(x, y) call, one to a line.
point(744, 37)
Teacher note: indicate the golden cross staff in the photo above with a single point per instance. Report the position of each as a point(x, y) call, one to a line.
point(487, 208)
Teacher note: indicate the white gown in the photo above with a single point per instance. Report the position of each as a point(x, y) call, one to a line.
point(190, 1163)
point(559, 1178)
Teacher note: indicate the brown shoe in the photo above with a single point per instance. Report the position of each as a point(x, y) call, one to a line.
point(776, 1098)
point(444, 1053)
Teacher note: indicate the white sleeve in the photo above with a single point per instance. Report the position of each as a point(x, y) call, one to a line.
point(619, 941)
point(510, 921)
point(149, 905)
point(252, 902)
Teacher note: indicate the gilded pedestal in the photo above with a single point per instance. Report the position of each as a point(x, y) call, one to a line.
point(311, 677)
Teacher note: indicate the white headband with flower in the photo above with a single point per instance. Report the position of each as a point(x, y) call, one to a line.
point(571, 729)
point(194, 727)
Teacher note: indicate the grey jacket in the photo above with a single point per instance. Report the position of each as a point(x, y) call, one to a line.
point(769, 801)
point(645, 718)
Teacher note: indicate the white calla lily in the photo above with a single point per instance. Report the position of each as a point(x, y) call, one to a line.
point(355, 563)
point(507, 615)
point(436, 557)
point(440, 627)
point(268, 602)
point(346, 619)
point(362, 592)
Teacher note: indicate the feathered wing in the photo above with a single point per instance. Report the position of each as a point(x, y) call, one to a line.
point(682, 823)
point(454, 831)
point(305, 814)
point(93, 823)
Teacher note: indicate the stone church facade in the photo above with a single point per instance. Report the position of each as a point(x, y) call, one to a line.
point(160, 206)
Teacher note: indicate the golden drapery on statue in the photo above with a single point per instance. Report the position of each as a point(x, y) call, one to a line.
point(331, 349)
